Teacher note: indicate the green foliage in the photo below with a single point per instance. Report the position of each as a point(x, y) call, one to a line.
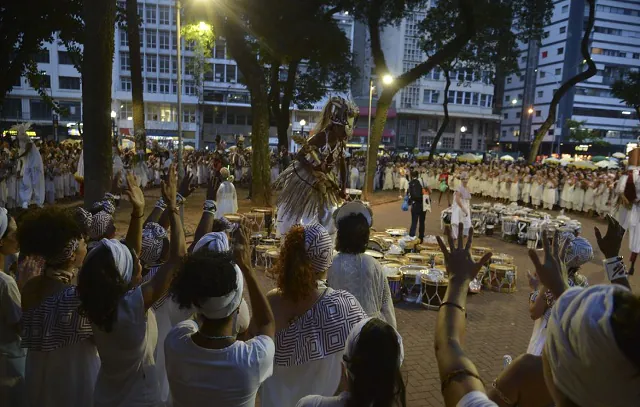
point(627, 89)
point(201, 37)
point(580, 134)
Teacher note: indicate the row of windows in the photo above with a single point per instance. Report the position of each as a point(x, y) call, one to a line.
point(538, 113)
point(612, 114)
point(448, 143)
point(164, 15)
point(166, 64)
point(43, 57)
point(615, 31)
point(618, 10)
point(559, 51)
point(165, 86)
point(462, 75)
point(458, 97)
point(40, 110)
point(605, 93)
point(160, 113)
point(64, 82)
point(166, 40)
point(615, 53)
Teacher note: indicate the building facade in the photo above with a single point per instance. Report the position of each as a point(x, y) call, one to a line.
point(614, 47)
point(221, 106)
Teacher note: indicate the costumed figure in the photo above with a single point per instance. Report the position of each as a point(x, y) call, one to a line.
point(31, 184)
point(313, 186)
point(226, 196)
point(629, 205)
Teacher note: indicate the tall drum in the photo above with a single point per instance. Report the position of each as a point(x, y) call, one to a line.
point(434, 287)
point(502, 278)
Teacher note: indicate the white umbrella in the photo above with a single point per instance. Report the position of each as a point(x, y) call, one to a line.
point(469, 157)
point(506, 158)
point(565, 162)
point(551, 160)
point(606, 164)
point(585, 164)
point(620, 156)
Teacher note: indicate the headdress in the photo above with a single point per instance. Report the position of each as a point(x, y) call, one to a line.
point(153, 236)
point(319, 247)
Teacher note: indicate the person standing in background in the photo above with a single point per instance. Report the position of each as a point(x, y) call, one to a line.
point(418, 212)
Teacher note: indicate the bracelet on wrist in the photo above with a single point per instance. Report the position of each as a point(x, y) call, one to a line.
point(161, 204)
point(210, 206)
point(133, 215)
point(180, 200)
point(614, 268)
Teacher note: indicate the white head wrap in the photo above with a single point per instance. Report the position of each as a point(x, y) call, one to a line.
point(222, 307)
point(587, 364)
point(121, 256)
point(214, 242)
point(4, 221)
point(354, 336)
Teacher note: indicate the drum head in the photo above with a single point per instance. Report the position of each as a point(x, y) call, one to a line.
point(373, 253)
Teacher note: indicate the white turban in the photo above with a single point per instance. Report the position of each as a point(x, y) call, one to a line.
point(587, 364)
point(216, 242)
point(222, 307)
point(4, 222)
point(122, 257)
point(354, 336)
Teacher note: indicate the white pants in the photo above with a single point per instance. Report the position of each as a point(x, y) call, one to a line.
point(31, 185)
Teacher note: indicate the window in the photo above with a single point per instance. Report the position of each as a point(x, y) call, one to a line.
point(164, 63)
point(517, 115)
point(231, 73)
point(126, 111)
point(540, 93)
point(565, 9)
point(42, 56)
point(489, 100)
point(560, 51)
point(153, 112)
point(435, 74)
point(44, 81)
point(508, 79)
point(188, 66)
point(467, 98)
point(546, 34)
point(522, 77)
point(189, 45)
point(544, 54)
point(174, 87)
point(475, 99)
point(523, 60)
point(164, 39)
point(125, 63)
point(431, 96)
point(636, 55)
point(241, 119)
point(174, 66)
point(447, 142)
point(466, 143)
point(140, 10)
point(164, 85)
point(504, 133)
point(543, 74)
point(124, 38)
point(563, 29)
point(64, 58)
point(39, 109)
point(151, 14)
point(71, 110)
point(12, 108)
point(189, 88)
point(151, 39)
point(189, 114)
point(507, 98)
point(231, 118)
point(167, 113)
point(69, 82)
point(152, 85)
point(538, 113)
point(483, 99)
point(151, 63)
point(219, 116)
point(558, 71)
point(451, 97)
point(125, 84)
point(220, 52)
point(163, 15)
point(459, 96)
point(218, 73)
point(506, 115)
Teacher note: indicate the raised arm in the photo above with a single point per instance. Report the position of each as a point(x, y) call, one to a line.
point(458, 374)
point(610, 248)
point(208, 213)
point(136, 197)
point(155, 288)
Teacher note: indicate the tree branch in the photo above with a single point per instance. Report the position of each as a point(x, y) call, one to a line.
point(379, 60)
point(445, 120)
point(274, 88)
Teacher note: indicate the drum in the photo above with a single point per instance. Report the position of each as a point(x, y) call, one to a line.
point(269, 242)
point(502, 278)
point(259, 256)
point(480, 251)
point(477, 221)
point(412, 282)
point(445, 218)
point(395, 286)
point(256, 238)
point(432, 247)
point(399, 232)
point(533, 235)
point(398, 258)
point(415, 258)
point(523, 227)
point(509, 228)
point(375, 244)
point(434, 286)
point(501, 259)
point(353, 194)
point(267, 216)
point(375, 254)
point(270, 257)
point(233, 217)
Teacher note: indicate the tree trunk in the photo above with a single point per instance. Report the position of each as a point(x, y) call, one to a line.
point(137, 85)
point(445, 120)
point(99, 19)
point(284, 119)
point(580, 77)
point(260, 163)
point(382, 108)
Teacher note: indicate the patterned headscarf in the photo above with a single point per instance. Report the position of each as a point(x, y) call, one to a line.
point(102, 218)
point(578, 252)
point(85, 218)
point(153, 236)
point(319, 247)
point(216, 242)
point(66, 254)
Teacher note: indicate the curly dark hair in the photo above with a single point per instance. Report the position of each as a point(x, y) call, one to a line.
point(203, 275)
point(100, 287)
point(46, 231)
point(625, 323)
point(353, 234)
point(294, 276)
point(375, 375)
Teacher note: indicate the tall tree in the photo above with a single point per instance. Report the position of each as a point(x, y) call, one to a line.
point(627, 89)
point(570, 83)
point(97, 64)
point(24, 28)
point(135, 61)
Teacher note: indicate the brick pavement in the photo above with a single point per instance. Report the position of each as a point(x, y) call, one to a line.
point(498, 324)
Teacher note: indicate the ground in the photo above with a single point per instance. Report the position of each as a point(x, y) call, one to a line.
point(498, 324)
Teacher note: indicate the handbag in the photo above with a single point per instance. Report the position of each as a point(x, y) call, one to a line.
point(405, 204)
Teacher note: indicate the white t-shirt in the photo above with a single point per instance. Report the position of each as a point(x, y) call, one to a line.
point(225, 377)
point(476, 399)
point(10, 314)
point(128, 376)
point(319, 401)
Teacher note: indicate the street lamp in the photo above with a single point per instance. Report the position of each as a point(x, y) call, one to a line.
point(463, 129)
point(303, 122)
point(514, 101)
point(530, 110)
point(387, 79)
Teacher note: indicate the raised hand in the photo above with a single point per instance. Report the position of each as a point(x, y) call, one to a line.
point(169, 187)
point(212, 187)
point(610, 244)
point(186, 187)
point(551, 271)
point(460, 265)
point(242, 245)
point(133, 191)
point(28, 268)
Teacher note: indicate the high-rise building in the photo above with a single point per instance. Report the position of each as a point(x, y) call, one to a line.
point(544, 66)
point(417, 113)
point(220, 107)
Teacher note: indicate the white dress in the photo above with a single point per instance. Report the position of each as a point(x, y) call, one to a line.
point(589, 199)
point(514, 192)
point(457, 214)
point(577, 198)
point(354, 178)
point(539, 334)
point(31, 186)
point(227, 199)
point(388, 179)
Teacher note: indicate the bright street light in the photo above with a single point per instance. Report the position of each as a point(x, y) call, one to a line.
point(387, 79)
point(463, 129)
point(113, 114)
point(202, 26)
point(129, 118)
point(514, 101)
point(303, 122)
point(530, 111)
point(626, 112)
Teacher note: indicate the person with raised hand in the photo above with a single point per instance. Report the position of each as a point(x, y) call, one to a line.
point(116, 304)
